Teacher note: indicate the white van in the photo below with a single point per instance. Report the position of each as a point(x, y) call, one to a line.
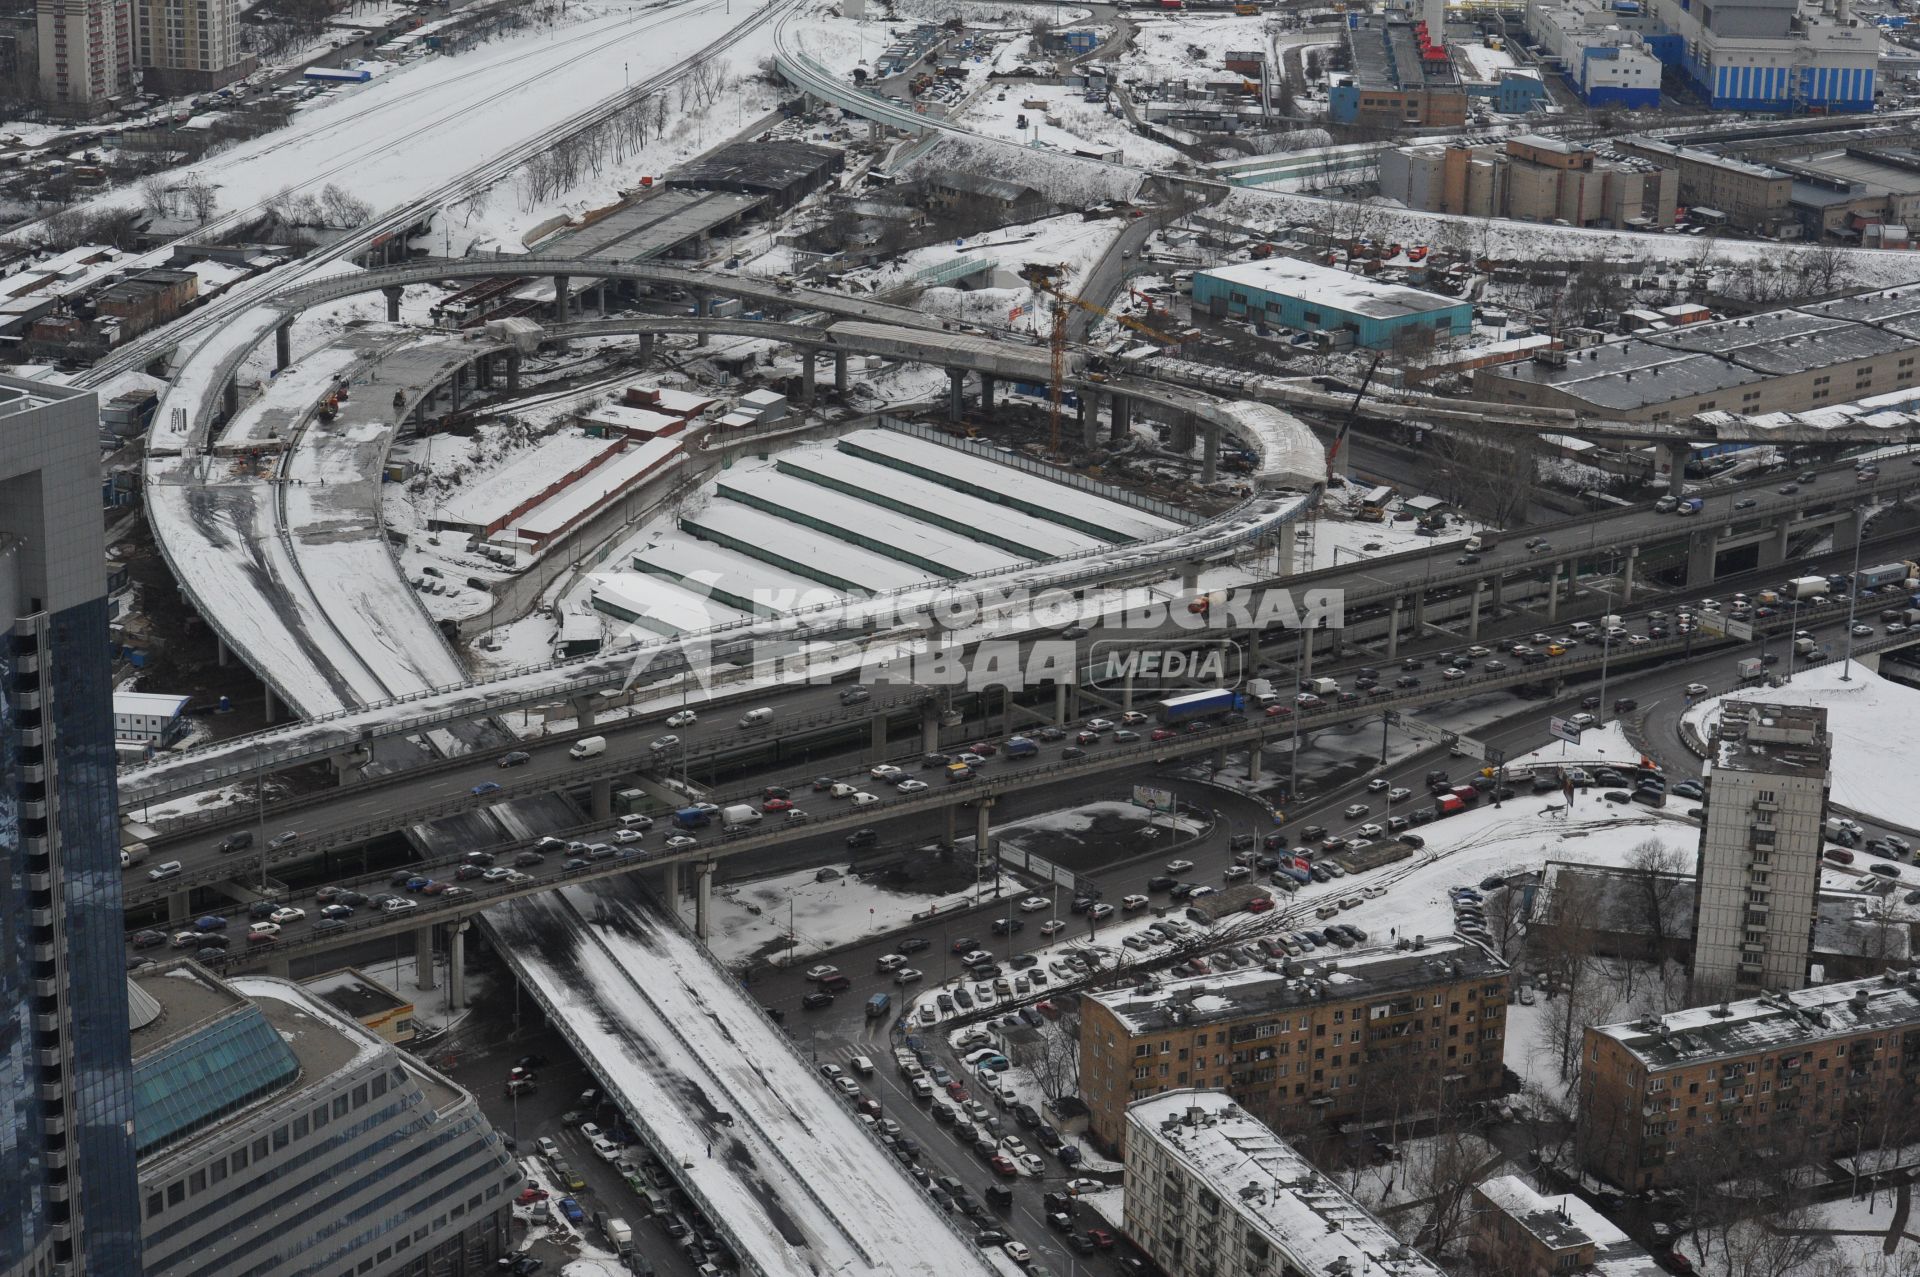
point(755, 717)
point(1581, 628)
point(588, 747)
point(864, 799)
point(171, 869)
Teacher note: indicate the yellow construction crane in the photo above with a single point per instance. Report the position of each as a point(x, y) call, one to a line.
point(1046, 279)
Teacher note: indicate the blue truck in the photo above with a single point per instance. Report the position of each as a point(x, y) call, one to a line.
point(1882, 574)
point(1021, 747)
point(1181, 709)
point(692, 818)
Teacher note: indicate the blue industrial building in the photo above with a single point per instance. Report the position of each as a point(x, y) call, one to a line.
point(1287, 293)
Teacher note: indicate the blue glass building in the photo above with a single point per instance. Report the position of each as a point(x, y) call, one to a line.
point(67, 1166)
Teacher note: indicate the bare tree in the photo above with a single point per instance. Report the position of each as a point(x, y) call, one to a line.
point(1054, 1059)
point(344, 210)
point(201, 196)
point(1567, 945)
point(154, 196)
point(1492, 473)
point(1659, 875)
point(1445, 1180)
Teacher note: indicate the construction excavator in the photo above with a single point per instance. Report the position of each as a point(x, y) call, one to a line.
point(1044, 278)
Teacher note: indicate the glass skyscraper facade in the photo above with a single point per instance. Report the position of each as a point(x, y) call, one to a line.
point(67, 1164)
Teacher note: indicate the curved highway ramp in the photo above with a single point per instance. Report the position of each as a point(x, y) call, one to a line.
point(777, 1161)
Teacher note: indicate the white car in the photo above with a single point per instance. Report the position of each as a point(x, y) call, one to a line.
point(1018, 1253)
point(264, 928)
point(864, 799)
point(1477, 652)
point(637, 822)
point(890, 961)
point(1031, 1164)
point(400, 904)
point(1236, 872)
point(1033, 904)
point(1452, 672)
point(885, 771)
point(847, 1086)
point(1697, 689)
point(591, 1130)
point(910, 786)
point(822, 971)
point(1369, 830)
point(1084, 1186)
point(607, 1149)
point(288, 914)
point(1377, 784)
point(1179, 866)
point(627, 835)
point(1862, 631)
point(1582, 721)
point(1398, 794)
point(1356, 810)
point(664, 743)
point(906, 975)
point(1052, 927)
point(1135, 901)
point(679, 841)
point(842, 789)
point(1099, 725)
point(685, 718)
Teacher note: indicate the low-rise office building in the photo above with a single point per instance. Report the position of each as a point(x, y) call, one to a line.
point(1288, 293)
point(1803, 1075)
point(1600, 47)
point(1753, 197)
point(1373, 1032)
point(276, 1137)
point(1210, 1190)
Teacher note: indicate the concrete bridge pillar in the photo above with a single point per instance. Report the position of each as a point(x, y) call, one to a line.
point(670, 887)
point(839, 372)
point(220, 651)
point(930, 727)
point(283, 345)
point(983, 857)
point(457, 965)
point(423, 957)
point(1210, 453)
point(1284, 551)
point(703, 901)
point(646, 348)
point(1846, 532)
point(1553, 592)
point(179, 907)
point(456, 388)
point(879, 741)
point(1182, 440)
point(392, 292)
point(280, 967)
point(1119, 408)
point(1089, 419)
point(230, 396)
point(562, 299)
point(270, 706)
point(1393, 629)
point(1703, 550)
point(1473, 612)
point(1419, 613)
point(952, 831)
point(1782, 537)
point(346, 765)
point(956, 387)
point(583, 712)
point(807, 358)
point(1307, 639)
point(1673, 464)
point(703, 306)
point(1499, 599)
point(988, 392)
point(602, 791)
point(1633, 565)
point(1254, 761)
point(513, 372)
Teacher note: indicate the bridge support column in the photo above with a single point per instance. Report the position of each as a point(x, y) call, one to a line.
point(230, 396)
point(1254, 761)
point(839, 372)
point(513, 372)
point(1703, 550)
point(1553, 593)
point(929, 728)
point(1633, 565)
point(602, 791)
point(179, 907)
point(1089, 419)
point(1284, 550)
point(646, 348)
point(1126, 692)
point(392, 292)
point(1847, 531)
point(562, 299)
point(1306, 653)
point(457, 965)
point(956, 386)
point(283, 345)
point(703, 901)
point(1473, 614)
point(1060, 704)
point(1117, 426)
point(1672, 463)
point(953, 832)
point(456, 386)
point(1499, 599)
point(807, 358)
point(1210, 452)
point(1393, 629)
point(988, 389)
point(1419, 613)
point(703, 306)
point(220, 652)
point(983, 858)
point(346, 765)
point(879, 737)
point(270, 707)
point(583, 711)
point(280, 967)
point(423, 957)
point(1182, 437)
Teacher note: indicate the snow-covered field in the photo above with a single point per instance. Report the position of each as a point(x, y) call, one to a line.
point(1875, 726)
point(1067, 122)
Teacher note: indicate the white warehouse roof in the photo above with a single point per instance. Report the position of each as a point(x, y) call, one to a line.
point(1355, 294)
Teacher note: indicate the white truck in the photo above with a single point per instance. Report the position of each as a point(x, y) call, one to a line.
point(1752, 670)
point(588, 747)
point(1260, 691)
point(619, 1236)
point(1806, 587)
point(1326, 687)
point(740, 815)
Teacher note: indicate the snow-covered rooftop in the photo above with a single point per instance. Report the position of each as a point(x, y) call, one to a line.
point(1772, 1021)
point(1355, 294)
point(1566, 1221)
point(1303, 1215)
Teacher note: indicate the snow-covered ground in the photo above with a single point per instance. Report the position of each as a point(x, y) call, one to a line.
point(1066, 122)
point(1875, 725)
point(749, 917)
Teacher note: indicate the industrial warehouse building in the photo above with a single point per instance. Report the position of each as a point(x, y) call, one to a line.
point(1312, 298)
point(1780, 361)
point(1533, 179)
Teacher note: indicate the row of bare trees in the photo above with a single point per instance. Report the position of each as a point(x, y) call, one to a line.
point(588, 151)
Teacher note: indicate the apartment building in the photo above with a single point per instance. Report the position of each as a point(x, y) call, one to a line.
point(1519, 1233)
point(1759, 875)
point(190, 46)
point(87, 57)
point(1796, 1075)
point(1211, 1192)
point(1372, 1033)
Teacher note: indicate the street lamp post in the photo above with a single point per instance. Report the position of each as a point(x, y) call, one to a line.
point(1793, 636)
point(1853, 592)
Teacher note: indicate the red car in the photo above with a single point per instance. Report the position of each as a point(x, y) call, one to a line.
point(1260, 904)
point(1047, 1009)
point(1003, 1165)
point(530, 1195)
point(776, 804)
point(1838, 855)
point(1163, 733)
point(958, 1091)
point(1278, 711)
point(983, 748)
point(1101, 1238)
